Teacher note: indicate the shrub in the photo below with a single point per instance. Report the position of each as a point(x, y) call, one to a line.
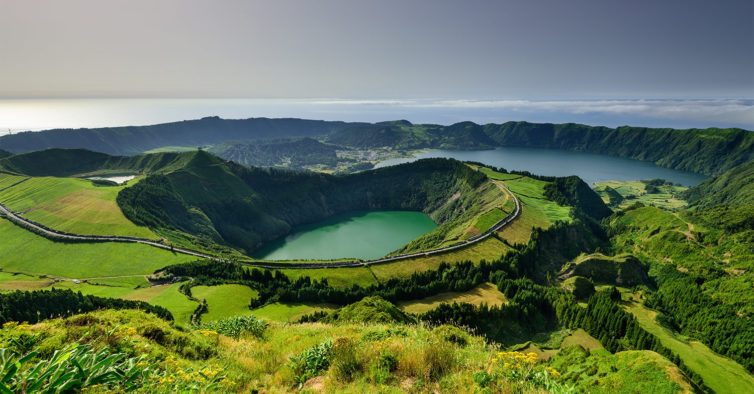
point(439, 358)
point(382, 366)
point(452, 334)
point(311, 362)
point(70, 369)
point(236, 326)
point(345, 363)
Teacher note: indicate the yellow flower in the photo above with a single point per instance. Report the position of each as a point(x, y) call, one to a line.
point(10, 324)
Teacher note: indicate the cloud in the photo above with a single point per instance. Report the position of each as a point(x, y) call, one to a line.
point(651, 108)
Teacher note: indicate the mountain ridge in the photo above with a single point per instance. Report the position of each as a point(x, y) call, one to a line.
point(710, 151)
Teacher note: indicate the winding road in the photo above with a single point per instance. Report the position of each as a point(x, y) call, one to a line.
point(56, 235)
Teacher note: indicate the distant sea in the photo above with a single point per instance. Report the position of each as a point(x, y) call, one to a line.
point(40, 114)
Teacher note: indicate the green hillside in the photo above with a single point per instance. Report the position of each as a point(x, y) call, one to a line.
point(226, 203)
point(292, 153)
point(138, 139)
point(733, 188)
point(709, 151)
point(80, 162)
point(273, 357)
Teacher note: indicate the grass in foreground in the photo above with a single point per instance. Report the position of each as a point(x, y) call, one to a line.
point(350, 358)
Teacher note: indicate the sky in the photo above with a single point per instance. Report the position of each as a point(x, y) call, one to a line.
point(478, 50)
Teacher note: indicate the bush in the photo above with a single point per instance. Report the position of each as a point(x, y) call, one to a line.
point(236, 326)
point(345, 364)
point(439, 358)
point(311, 362)
point(381, 368)
point(70, 369)
point(452, 334)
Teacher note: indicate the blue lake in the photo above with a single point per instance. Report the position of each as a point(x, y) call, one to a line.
point(590, 167)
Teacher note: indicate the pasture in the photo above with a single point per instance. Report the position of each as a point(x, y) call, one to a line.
point(71, 205)
point(23, 251)
point(224, 300)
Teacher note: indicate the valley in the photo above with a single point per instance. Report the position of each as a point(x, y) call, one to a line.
point(526, 261)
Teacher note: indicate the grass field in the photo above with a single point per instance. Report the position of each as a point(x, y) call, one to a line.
point(224, 300)
point(337, 277)
point(536, 209)
point(551, 343)
point(288, 312)
point(72, 205)
point(486, 293)
point(719, 373)
point(10, 282)
point(23, 251)
point(636, 191)
point(488, 249)
point(173, 300)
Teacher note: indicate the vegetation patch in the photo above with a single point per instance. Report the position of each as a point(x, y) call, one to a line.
point(485, 293)
point(658, 193)
point(224, 301)
point(71, 205)
point(369, 310)
point(23, 251)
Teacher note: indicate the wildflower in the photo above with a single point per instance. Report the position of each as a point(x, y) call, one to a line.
point(553, 372)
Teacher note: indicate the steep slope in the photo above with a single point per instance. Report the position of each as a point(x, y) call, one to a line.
point(733, 187)
point(573, 191)
point(405, 135)
point(244, 207)
point(77, 162)
point(726, 201)
point(4, 154)
point(708, 151)
point(293, 153)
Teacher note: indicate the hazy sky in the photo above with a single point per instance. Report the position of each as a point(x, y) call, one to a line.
point(377, 49)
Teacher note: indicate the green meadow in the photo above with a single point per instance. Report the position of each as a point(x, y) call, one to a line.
point(23, 251)
point(72, 205)
point(224, 300)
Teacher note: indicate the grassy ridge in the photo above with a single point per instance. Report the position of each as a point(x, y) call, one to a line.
point(709, 151)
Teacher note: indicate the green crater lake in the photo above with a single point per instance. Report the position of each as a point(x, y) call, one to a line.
point(363, 235)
